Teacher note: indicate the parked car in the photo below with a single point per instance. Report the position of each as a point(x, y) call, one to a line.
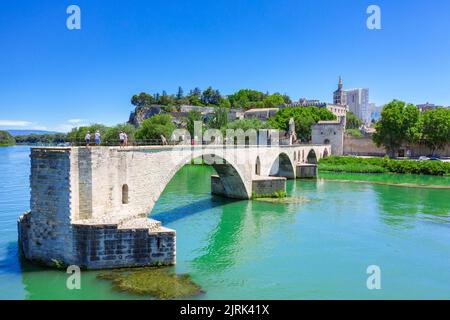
point(434, 159)
point(423, 158)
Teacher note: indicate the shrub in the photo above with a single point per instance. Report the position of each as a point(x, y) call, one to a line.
point(379, 165)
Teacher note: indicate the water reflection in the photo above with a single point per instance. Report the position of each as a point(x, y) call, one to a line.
point(233, 247)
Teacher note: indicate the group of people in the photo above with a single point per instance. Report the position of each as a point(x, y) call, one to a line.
point(123, 138)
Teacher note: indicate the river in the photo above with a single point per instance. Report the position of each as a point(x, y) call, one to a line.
point(316, 247)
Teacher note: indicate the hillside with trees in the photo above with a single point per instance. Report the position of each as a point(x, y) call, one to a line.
point(6, 139)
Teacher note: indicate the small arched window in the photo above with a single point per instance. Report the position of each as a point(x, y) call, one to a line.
point(258, 167)
point(125, 194)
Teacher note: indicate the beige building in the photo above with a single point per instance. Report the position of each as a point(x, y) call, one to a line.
point(338, 110)
point(262, 114)
point(330, 133)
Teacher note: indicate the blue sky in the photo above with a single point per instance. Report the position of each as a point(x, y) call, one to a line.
point(53, 78)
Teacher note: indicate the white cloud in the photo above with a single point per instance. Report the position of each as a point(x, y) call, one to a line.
point(76, 121)
point(70, 124)
point(15, 123)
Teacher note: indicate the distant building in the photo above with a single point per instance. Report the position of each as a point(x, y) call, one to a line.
point(203, 110)
point(262, 114)
point(357, 101)
point(302, 102)
point(330, 132)
point(336, 109)
point(339, 111)
point(235, 114)
point(426, 106)
point(339, 96)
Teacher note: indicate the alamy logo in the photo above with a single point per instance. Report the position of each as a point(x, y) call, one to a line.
point(73, 22)
point(74, 280)
point(374, 20)
point(374, 279)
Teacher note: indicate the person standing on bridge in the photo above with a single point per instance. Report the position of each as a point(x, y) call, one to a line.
point(87, 138)
point(122, 138)
point(125, 139)
point(97, 137)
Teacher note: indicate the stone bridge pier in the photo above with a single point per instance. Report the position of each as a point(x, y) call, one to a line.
point(89, 206)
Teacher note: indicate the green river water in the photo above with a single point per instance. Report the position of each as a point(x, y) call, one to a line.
point(318, 247)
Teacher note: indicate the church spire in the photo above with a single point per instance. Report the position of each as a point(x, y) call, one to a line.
point(340, 84)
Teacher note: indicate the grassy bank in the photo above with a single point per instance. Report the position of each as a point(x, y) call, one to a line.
point(384, 165)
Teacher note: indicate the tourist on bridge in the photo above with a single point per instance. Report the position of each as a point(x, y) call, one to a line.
point(97, 137)
point(122, 138)
point(87, 138)
point(125, 139)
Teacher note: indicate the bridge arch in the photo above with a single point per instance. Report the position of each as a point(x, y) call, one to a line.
point(282, 166)
point(228, 174)
point(312, 157)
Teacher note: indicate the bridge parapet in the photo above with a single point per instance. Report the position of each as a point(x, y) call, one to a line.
point(86, 201)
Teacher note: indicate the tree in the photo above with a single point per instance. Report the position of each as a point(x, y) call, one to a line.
point(6, 139)
point(353, 122)
point(193, 116)
point(180, 93)
point(194, 97)
point(152, 128)
point(211, 96)
point(142, 99)
point(220, 118)
point(111, 135)
point(76, 135)
point(399, 124)
point(287, 99)
point(165, 99)
point(273, 100)
point(304, 118)
point(247, 99)
point(436, 128)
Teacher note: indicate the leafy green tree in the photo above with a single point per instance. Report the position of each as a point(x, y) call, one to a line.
point(247, 99)
point(6, 139)
point(142, 99)
point(180, 93)
point(77, 134)
point(51, 138)
point(112, 134)
point(220, 118)
point(436, 128)
point(194, 97)
point(273, 100)
point(166, 100)
point(304, 118)
point(354, 133)
point(353, 122)
point(211, 96)
point(193, 116)
point(287, 99)
point(152, 128)
point(399, 124)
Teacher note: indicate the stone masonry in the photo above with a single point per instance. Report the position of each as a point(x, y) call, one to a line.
point(90, 206)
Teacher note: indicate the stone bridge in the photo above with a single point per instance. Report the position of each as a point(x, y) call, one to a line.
point(90, 206)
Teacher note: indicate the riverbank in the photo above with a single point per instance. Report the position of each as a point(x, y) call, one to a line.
point(384, 165)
